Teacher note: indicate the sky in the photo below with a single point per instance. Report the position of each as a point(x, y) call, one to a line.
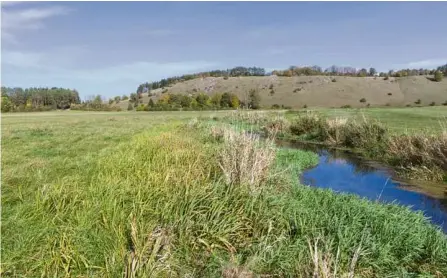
point(109, 48)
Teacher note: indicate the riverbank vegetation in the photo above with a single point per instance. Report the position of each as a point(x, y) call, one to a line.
point(180, 194)
point(421, 155)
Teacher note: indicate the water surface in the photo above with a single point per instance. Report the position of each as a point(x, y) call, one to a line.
point(343, 171)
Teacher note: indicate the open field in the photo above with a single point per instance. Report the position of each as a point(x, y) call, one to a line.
point(319, 91)
point(105, 194)
point(399, 120)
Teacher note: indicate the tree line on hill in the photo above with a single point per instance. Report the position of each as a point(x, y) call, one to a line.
point(234, 72)
point(291, 71)
point(200, 101)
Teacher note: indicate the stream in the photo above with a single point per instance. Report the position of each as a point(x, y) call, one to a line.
point(346, 172)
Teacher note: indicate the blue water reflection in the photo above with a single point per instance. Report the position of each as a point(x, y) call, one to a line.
point(344, 172)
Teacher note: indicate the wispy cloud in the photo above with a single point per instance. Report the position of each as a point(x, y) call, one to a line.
point(11, 3)
point(50, 69)
point(429, 63)
point(19, 19)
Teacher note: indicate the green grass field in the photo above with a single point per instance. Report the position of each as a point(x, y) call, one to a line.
point(105, 194)
point(399, 120)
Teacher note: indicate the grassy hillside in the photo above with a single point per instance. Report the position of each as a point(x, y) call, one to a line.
point(319, 91)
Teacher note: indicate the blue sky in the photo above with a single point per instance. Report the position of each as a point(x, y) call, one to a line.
point(109, 48)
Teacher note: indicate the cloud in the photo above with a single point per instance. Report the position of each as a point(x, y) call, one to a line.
point(14, 20)
point(30, 69)
point(11, 3)
point(429, 63)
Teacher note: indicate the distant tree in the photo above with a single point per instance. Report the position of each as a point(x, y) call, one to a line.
point(216, 99)
point(151, 103)
point(372, 71)
point(110, 101)
point(254, 99)
point(185, 101)
point(117, 99)
point(235, 103)
point(6, 104)
point(124, 97)
point(443, 69)
point(133, 97)
point(202, 100)
point(363, 73)
point(129, 107)
point(438, 76)
point(225, 100)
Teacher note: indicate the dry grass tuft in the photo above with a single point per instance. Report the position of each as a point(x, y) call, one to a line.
point(148, 254)
point(236, 272)
point(429, 151)
point(328, 266)
point(277, 125)
point(244, 159)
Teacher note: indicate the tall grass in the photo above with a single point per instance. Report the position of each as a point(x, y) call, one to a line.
point(417, 155)
point(245, 159)
point(156, 205)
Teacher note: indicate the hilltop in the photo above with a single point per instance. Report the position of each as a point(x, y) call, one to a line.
point(317, 91)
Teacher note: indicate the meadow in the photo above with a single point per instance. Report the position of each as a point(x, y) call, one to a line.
point(181, 194)
point(398, 120)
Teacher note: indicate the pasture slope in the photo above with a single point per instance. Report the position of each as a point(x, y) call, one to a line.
point(319, 91)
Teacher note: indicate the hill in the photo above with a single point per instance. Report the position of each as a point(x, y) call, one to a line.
point(317, 91)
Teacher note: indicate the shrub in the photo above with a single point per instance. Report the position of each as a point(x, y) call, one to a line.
point(445, 103)
point(346, 106)
point(390, 94)
point(164, 91)
point(305, 124)
point(370, 136)
point(417, 101)
point(297, 90)
point(245, 160)
point(334, 80)
point(225, 78)
point(277, 125)
point(386, 78)
point(438, 76)
point(272, 92)
point(140, 107)
point(408, 105)
point(363, 100)
point(276, 106)
point(129, 106)
point(305, 106)
point(271, 86)
point(432, 103)
point(6, 105)
point(255, 99)
point(368, 105)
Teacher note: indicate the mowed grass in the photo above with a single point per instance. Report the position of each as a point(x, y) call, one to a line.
point(107, 194)
point(398, 120)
